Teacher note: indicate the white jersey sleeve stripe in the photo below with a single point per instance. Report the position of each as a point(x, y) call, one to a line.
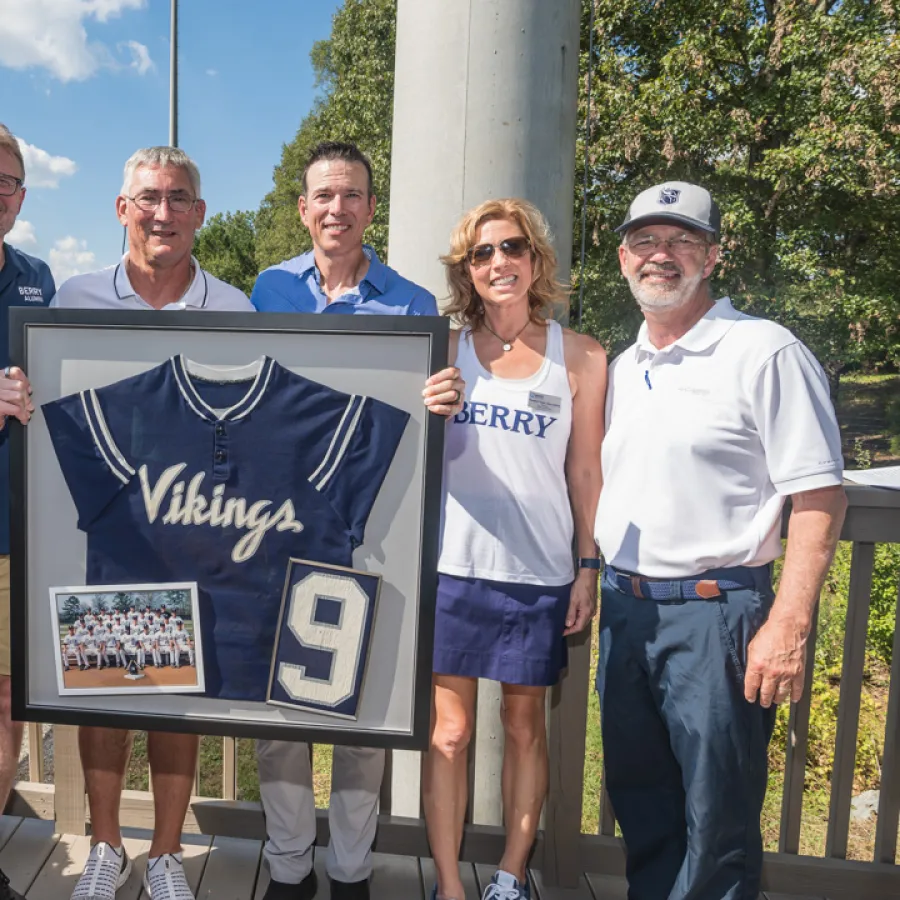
point(103, 439)
point(347, 437)
point(334, 439)
point(107, 435)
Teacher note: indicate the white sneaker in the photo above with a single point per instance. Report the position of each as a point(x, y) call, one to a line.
point(105, 871)
point(164, 878)
point(504, 886)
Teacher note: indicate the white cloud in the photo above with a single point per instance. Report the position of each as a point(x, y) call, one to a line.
point(22, 234)
point(70, 256)
point(42, 169)
point(212, 72)
point(140, 57)
point(50, 34)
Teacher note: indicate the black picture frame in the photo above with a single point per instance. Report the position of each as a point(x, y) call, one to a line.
point(28, 325)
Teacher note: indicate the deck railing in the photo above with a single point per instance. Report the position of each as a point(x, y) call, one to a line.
point(562, 851)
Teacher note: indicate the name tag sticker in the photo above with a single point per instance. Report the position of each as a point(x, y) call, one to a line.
point(544, 402)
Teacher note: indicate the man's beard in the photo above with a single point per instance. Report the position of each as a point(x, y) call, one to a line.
point(662, 296)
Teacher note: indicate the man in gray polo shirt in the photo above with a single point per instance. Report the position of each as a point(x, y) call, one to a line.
point(161, 206)
point(713, 418)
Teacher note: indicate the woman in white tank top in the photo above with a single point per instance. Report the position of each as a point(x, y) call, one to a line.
point(521, 482)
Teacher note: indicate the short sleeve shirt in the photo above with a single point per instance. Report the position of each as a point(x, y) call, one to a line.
point(296, 286)
point(111, 288)
point(705, 439)
point(178, 478)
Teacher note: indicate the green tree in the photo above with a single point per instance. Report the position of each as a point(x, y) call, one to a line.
point(122, 601)
point(226, 247)
point(787, 111)
point(355, 72)
point(178, 602)
point(71, 610)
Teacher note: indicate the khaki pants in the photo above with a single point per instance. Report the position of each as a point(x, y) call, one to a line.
point(4, 615)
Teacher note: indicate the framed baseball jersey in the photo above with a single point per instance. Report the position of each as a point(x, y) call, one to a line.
point(214, 448)
point(169, 483)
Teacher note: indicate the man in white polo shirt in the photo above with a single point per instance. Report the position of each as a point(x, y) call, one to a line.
point(161, 206)
point(713, 419)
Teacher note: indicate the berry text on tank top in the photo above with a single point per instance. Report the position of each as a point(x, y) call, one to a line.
point(492, 415)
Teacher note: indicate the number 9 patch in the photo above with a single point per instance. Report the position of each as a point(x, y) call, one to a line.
point(323, 637)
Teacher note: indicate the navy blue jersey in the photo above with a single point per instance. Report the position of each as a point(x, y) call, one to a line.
point(177, 477)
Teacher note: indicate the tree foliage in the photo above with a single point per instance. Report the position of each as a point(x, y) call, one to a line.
point(788, 111)
point(226, 247)
point(355, 71)
point(71, 610)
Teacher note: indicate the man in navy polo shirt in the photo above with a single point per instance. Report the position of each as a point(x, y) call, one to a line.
point(339, 275)
point(24, 281)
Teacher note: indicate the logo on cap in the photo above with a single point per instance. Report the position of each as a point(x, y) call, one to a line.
point(668, 196)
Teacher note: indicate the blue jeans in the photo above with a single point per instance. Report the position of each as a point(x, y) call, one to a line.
point(685, 753)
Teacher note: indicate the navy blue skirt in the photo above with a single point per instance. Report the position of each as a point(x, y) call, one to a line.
point(512, 633)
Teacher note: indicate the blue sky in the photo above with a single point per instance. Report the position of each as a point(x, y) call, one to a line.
point(84, 83)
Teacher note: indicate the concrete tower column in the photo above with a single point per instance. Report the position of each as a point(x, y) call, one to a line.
point(485, 106)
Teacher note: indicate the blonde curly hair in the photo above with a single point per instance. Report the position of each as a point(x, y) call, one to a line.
point(546, 291)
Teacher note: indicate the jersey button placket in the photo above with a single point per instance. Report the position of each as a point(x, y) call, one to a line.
point(220, 452)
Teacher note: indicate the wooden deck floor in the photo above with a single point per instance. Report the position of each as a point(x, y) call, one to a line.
point(45, 866)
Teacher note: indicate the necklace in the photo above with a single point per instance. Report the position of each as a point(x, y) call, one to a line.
point(507, 344)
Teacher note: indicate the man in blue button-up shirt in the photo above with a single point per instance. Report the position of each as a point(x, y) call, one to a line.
point(24, 281)
point(296, 285)
point(339, 275)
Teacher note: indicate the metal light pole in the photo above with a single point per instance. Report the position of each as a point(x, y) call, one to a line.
point(173, 79)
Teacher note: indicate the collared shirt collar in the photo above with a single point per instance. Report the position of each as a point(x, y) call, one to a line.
point(195, 295)
point(708, 331)
point(376, 274)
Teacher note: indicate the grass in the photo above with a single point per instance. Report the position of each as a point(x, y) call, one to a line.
point(211, 760)
point(868, 411)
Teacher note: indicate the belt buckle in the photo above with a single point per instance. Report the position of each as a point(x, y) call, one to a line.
point(708, 589)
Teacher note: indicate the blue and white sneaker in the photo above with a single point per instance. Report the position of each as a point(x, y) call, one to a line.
point(504, 886)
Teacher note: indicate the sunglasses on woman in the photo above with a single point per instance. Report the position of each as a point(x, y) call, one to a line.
point(511, 248)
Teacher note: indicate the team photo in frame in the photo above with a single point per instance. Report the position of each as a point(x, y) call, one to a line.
point(212, 449)
point(129, 639)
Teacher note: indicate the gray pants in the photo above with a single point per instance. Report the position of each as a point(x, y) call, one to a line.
point(286, 787)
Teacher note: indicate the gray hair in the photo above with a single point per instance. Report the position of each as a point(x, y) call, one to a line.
point(8, 142)
point(161, 157)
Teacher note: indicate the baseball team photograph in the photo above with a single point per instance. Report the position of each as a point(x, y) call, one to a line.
point(116, 640)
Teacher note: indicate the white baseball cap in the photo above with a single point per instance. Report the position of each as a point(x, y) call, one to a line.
point(675, 201)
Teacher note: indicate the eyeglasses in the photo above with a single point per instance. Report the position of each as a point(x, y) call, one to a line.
point(682, 245)
point(178, 203)
point(9, 184)
point(512, 248)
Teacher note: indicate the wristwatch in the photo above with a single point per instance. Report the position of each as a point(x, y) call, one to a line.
point(590, 562)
